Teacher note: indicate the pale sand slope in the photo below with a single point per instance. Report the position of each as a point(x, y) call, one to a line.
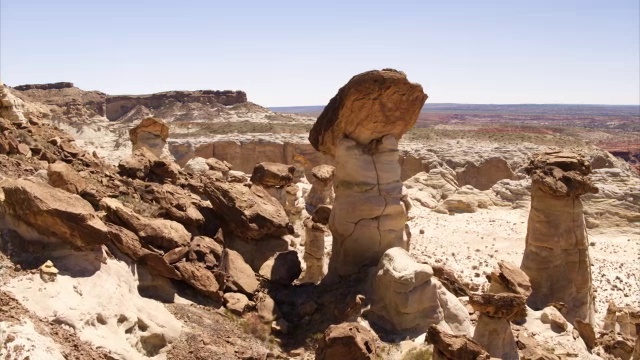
point(472, 244)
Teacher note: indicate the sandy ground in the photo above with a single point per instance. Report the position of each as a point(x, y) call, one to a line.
point(473, 243)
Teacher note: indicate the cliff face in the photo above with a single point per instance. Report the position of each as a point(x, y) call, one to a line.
point(67, 102)
point(117, 106)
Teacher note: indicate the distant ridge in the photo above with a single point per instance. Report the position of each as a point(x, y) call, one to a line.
point(529, 109)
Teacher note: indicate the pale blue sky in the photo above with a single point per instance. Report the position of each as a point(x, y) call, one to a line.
point(300, 52)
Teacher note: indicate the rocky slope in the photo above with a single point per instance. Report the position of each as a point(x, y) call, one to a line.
point(195, 260)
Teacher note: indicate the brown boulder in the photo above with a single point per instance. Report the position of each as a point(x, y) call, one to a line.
point(63, 176)
point(205, 250)
point(510, 278)
point(164, 171)
point(53, 213)
point(159, 233)
point(241, 276)
point(200, 278)
point(371, 105)
point(504, 305)
point(272, 174)
point(248, 211)
point(138, 165)
point(347, 341)
point(455, 347)
point(282, 268)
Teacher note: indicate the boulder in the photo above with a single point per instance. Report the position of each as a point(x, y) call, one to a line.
point(282, 268)
point(236, 303)
point(159, 233)
point(347, 341)
point(509, 278)
point(241, 276)
point(205, 250)
point(556, 241)
point(466, 200)
point(62, 176)
point(407, 299)
point(196, 165)
point(371, 105)
point(150, 133)
point(200, 278)
point(138, 165)
point(272, 174)
point(164, 171)
point(40, 212)
point(455, 347)
point(248, 211)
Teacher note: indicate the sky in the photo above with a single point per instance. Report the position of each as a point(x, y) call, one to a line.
point(286, 53)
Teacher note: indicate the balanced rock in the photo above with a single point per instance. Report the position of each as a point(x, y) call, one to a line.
point(408, 299)
point(48, 272)
point(272, 174)
point(40, 212)
point(347, 341)
point(360, 128)
point(371, 105)
point(510, 279)
point(556, 242)
point(150, 133)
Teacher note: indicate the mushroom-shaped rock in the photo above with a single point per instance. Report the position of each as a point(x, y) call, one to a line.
point(371, 105)
point(504, 305)
point(54, 214)
point(151, 133)
point(408, 299)
point(360, 129)
point(556, 241)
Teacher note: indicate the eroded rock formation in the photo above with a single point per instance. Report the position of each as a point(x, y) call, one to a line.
point(321, 192)
point(150, 133)
point(556, 256)
point(360, 129)
point(407, 298)
point(315, 231)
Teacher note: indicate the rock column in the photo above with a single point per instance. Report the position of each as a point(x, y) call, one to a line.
point(321, 192)
point(360, 129)
point(556, 256)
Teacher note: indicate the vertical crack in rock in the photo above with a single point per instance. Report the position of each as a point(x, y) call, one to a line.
point(360, 128)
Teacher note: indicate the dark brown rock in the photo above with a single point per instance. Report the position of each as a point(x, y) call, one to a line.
point(455, 347)
point(347, 341)
point(200, 278)
point(282, 268)
point(510, 278)
point(503, 305)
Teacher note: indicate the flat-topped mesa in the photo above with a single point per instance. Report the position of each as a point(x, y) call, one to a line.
point(557, 241)
point(360, 129)
point(119, 105)
point(49, 86)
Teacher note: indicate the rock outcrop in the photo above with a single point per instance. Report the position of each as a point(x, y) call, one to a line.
point(314, 243)
point(38, 211)
point(150, 133)
point(49, 86)
point(360, 129)
point(556, 240)
point(407, 299)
